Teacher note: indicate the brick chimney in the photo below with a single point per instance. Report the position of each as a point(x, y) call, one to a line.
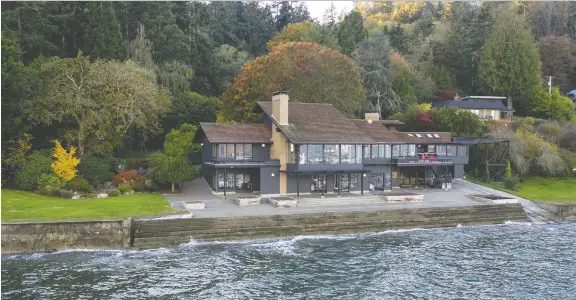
point(280, 107)
point(372, 116)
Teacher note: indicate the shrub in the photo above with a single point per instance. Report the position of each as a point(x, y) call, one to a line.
point(126, 177)
point(512, 182)
point(49, 180)
point(117, 164)
point(124, 188)
point(36, 164)
point(551, 131)
point(139, 184)
point(508, 171)
point(112, 192)
point(92, 196)
point(95, 169)
point(66, 194)
point(79, 184)
point(569, 158)
point(49, 192)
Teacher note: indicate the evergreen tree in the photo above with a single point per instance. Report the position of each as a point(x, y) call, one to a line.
point(351, 32)
point(510, 63)
point(102, 35)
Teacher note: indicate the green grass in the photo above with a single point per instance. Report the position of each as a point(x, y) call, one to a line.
point(543, 189)
point(27, 206)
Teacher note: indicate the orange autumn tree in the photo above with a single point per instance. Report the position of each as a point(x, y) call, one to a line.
point(65, 163)
point(311, 72)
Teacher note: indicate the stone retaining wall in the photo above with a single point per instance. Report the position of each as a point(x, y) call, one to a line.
point(42, 237)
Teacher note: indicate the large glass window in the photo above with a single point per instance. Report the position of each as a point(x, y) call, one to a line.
point(229, 150)
point(374, 151)
point(248, 151)
point(315, 153)
point(240, 151)
point(396, 150)
point(348, 154)
point(366, 151)
point(303, 154)
point(332, 154)
point(431, 148)
point(411, 150)
point(222, 151)
point(403, 150)
point(290, 153)
point(451, 150)
point(387, 151)
point(354, 181)
point(441, 150)
point(358, 154)
point(462, 150)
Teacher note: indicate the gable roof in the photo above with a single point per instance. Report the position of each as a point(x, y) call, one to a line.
point(479, 104)
point(318, 123)
point(237, 133)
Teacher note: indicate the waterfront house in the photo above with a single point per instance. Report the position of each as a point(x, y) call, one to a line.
point(313, 148)
point(486, 107)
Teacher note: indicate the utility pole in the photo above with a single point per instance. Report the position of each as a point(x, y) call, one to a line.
point(550, 84)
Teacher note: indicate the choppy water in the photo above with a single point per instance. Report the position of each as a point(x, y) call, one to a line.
point(512, 261)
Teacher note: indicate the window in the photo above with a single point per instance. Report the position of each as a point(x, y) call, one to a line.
point(214, 151)
point(290, 153)
point(462, 151)
point(418, 135)
point(451, 150)
point(387, 151)
point(410, 135)
point(436, 136)
point(358, 154)
point(354, 181)
point(332, 154)
point(374, 151)
point(429, 135)
point(315, 153)
point(303, 154)
point(348, 154)
point(380, 151)
point(222, 151)
point(441, 150)
point(248, 151)
point(411, 150)
point(431, 148)
point(366, 151)
point(229, 150)
point(395, 150)
point(240, 151)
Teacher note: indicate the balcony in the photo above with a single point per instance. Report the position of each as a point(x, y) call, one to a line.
point(227, 163)
point(414, 161)
point(311, 168)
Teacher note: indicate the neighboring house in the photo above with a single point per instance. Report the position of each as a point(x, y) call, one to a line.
point(572, 96)
point(486, 107)
point(313, 148)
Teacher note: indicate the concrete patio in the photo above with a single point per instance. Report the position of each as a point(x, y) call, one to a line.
point(217, 206)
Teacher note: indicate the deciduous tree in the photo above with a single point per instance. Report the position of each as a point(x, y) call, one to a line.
point(304, 32)
point(311, 72)
point(64, 165)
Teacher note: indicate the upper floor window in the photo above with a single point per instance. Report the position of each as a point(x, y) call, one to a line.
point(441, 150)
point(462, 151)
point(329, 154)
point(451, 150)
point(235, 151)
point(404, 150)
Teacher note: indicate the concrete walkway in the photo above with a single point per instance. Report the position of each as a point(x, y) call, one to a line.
point(533, 211)
point(196, 190)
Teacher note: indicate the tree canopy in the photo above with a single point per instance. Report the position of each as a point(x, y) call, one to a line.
point(312, 73)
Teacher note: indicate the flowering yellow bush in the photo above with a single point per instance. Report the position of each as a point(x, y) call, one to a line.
point(65, 163)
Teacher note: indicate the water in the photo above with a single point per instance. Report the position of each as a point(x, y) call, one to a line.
point(513, 261)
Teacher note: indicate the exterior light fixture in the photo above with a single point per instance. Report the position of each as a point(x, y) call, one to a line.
point(364, 175)
point(272, 175)
point(263, 145)
point(201, 144)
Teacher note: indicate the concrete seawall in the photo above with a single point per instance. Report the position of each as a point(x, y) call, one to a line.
point(143, 234)
point(42, 237)
point(563, 211)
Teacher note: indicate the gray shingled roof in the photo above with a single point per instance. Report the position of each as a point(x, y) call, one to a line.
point(473, 104)
point(319, 123)
point(237, 133)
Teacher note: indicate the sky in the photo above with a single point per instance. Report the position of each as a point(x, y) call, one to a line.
point(317, 8)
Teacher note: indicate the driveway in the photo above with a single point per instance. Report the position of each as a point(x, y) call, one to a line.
point(196, 190)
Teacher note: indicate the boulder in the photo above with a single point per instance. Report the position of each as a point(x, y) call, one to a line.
point(102, 195)
point(244, 201)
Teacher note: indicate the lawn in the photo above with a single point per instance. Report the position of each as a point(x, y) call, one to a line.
point(27, 206)
point(545, 189)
